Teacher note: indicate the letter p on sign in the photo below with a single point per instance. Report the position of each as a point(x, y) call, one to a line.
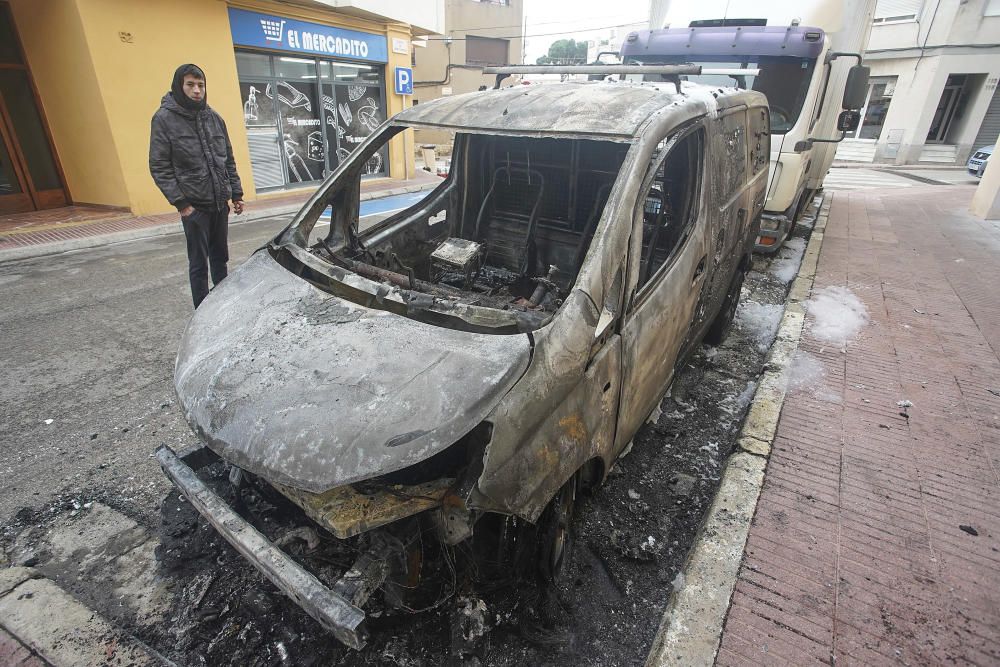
point(404, 81)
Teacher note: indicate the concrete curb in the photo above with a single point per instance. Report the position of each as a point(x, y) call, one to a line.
point(174, 227)
point(55, 626)
point(691, 629)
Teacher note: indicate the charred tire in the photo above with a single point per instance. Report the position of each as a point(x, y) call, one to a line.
point(555, 533)
point(723, 322)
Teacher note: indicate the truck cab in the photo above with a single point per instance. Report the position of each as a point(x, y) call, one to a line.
point(791, 71)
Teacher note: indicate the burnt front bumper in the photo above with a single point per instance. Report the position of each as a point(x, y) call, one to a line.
point(335, 611)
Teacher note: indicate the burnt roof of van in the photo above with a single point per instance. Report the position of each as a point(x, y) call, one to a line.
point(605, 110)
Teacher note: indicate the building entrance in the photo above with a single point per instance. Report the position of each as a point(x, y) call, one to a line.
point(29, 174)
point(951, 99)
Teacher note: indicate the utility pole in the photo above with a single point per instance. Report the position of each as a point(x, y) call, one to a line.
point(658, 13)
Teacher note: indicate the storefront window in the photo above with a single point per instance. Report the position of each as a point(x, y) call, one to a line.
point(295, 68)
point(253, 64)
point(307, 116)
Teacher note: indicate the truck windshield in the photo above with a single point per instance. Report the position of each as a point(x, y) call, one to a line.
point(784, 80)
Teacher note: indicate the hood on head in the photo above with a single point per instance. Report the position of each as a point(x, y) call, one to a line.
point(177, 87)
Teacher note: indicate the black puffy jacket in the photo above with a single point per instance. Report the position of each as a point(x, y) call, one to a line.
point(191, 158)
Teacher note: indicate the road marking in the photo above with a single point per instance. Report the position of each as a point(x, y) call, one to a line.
point(863, 179)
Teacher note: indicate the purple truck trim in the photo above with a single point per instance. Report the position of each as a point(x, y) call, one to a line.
point(696, 44)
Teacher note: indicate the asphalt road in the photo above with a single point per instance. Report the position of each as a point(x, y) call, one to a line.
point(89, 341)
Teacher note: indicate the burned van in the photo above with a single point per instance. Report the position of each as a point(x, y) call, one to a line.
point(487, 352)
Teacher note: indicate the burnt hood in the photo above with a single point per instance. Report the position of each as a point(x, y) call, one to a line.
point(314, 391)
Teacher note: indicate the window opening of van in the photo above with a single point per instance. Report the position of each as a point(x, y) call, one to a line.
point(507, 230)
point(669, 205)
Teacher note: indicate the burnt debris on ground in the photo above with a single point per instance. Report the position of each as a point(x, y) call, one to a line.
point(632, 535)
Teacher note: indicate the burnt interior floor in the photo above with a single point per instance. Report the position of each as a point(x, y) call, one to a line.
point(632, 536)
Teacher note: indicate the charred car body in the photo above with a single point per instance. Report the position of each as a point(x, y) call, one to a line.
point(493, 348)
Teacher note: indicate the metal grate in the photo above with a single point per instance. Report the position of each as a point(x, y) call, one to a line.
point(265, 159)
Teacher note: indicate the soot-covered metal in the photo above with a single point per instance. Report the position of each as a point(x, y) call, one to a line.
point(471, 363)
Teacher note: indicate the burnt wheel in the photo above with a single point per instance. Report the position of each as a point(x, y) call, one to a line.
point(723, 322)
point(555, 533)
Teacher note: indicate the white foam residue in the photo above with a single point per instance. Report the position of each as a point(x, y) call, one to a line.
point(760, 321)
point(838, 315)
point(736, 404)
point(804, 372)
point(786, 266)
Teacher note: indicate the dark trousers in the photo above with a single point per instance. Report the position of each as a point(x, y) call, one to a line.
point(207, 235)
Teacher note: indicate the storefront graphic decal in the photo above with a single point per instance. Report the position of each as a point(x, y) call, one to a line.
point(355, 93)
point(273, 32)
point(251, 110)
point(368, 114)
point(290, 96)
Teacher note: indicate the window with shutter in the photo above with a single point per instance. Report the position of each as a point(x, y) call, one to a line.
point(891, 11)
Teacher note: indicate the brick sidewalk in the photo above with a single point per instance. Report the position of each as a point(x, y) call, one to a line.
point(876, 536)
point(15, 654)
point(73, 223)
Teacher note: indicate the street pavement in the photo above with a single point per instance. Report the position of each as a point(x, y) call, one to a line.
point(877, 532)
point(90, 339)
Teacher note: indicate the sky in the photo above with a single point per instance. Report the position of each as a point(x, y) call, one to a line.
point(577, 19)
point(542, 17)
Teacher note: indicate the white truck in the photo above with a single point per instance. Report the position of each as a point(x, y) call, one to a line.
point(813, 80)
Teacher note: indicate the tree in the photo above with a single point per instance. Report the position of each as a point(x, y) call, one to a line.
point(565, 52)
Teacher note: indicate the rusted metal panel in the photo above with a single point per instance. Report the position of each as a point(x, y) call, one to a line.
point(345, 512)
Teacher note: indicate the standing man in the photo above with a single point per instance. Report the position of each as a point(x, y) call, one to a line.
point(191, 160)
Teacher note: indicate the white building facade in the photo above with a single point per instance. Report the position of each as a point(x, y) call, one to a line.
point(932, 96)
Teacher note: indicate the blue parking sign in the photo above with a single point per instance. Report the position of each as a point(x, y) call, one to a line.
point(404, 81)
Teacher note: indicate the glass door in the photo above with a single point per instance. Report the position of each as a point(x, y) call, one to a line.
point(945, 109)
point(14, 197)
point(29, 175)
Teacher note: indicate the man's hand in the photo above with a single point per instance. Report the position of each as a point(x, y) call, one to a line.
point(238, 206)
point(186, 211)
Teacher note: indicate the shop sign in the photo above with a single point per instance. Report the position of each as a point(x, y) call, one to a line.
point(284, 34)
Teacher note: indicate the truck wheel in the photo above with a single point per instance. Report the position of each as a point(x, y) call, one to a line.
point(723, 322)
point(555, 533)
point(800, 206)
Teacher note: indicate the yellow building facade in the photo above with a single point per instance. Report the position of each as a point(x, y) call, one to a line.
point(298, 88)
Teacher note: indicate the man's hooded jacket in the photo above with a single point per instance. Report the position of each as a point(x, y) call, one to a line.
point(190, 156)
